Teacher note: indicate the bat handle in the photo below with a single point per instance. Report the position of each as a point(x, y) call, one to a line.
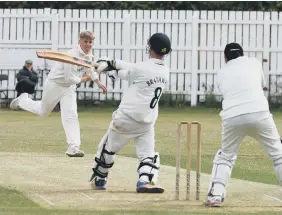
point(95, 65)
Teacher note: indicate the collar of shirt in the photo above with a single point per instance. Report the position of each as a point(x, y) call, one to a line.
point(89, 55)
point(158, 61)
point(235, 60)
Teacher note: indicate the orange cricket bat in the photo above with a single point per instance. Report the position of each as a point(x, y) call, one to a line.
point(65, 58)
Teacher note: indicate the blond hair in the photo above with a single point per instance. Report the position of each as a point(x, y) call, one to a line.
point(86, 35)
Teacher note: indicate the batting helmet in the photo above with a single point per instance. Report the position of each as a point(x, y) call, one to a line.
point(160, 43)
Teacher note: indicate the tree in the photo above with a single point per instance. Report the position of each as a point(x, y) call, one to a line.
point(149, 5)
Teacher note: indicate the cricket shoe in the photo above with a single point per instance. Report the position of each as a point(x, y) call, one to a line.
point(146, 187)
point(74, 152)
point(14, 105)
point(98, 183)
point(214, 201)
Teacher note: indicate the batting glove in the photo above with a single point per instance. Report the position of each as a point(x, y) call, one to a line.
point(106, 65)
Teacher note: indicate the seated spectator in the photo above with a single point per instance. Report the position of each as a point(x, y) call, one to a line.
point(27, 79)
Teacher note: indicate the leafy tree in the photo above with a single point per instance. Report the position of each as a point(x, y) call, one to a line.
point(149, 5)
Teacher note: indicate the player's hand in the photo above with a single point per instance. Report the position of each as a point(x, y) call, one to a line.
point(86, 77)
point(102, 87)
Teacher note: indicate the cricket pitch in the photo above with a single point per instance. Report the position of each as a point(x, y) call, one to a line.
point(56, 181)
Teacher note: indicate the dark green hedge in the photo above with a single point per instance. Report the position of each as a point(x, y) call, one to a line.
point(150, 5)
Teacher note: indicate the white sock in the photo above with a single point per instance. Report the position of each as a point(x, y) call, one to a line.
point(144, 178)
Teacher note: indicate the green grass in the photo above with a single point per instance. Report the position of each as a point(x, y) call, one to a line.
point(24, 132)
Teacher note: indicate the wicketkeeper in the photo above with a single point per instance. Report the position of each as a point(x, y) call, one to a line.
point(245, 112)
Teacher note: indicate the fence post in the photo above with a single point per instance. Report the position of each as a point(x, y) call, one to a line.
point(266, 53)
point(54, 29)
point(126, 37)
point(194, 72)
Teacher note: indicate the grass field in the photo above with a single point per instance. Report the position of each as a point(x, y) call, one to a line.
point(34, 167)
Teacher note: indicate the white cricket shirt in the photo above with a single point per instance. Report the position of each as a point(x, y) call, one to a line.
point(148, 80)
point(68, 74)
point(241, 82)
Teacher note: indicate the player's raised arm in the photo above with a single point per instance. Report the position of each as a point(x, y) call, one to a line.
point(124, 69)
point(115, 68)
point(123, 65)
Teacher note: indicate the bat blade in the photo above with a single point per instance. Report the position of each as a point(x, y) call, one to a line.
point(65, 58)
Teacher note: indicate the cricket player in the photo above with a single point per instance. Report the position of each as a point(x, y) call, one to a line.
point(60, 86)
point(245, 112)
point(136, 115)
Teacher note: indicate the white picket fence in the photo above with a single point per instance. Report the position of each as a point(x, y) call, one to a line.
point(198, 40)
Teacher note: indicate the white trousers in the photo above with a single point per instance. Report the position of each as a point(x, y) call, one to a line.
point(257, 125)
point(260, 126)
point(121, 131)
point(52, 94)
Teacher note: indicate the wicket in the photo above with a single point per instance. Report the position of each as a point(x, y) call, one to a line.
point(188, 159)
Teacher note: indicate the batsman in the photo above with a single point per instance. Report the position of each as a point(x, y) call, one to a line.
point(136, 115)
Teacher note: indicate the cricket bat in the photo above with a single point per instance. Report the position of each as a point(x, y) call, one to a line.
point(65, 58)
